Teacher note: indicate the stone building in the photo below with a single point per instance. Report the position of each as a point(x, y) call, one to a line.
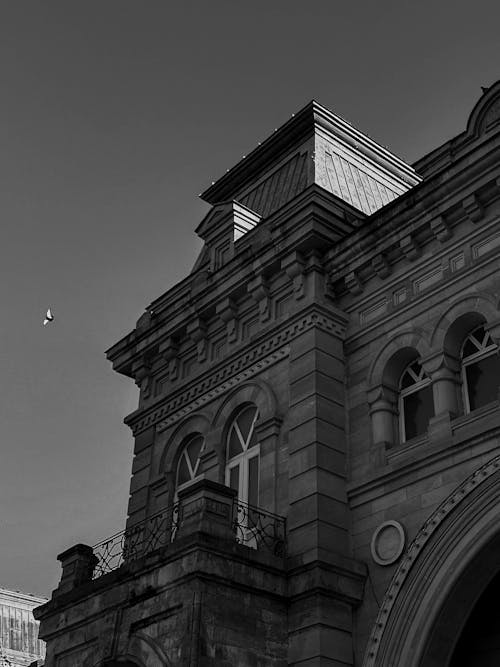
point(19, 643)
point(316, 471)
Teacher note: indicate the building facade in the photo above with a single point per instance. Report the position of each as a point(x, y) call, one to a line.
point(316, 472)
point(19, 643)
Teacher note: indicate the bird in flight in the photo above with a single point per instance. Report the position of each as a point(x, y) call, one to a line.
point(48, 317)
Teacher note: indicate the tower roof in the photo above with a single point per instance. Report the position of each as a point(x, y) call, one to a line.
point(315, 146)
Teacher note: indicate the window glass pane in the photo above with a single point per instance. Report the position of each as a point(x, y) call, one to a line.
point(194, 449)
point(245, 420)
point(482, 381)
point(234, 446)
point(253, 481)
point(234, 478)
point(183, 475)
point(469, 348)
point(253, 440)
point(418, 409)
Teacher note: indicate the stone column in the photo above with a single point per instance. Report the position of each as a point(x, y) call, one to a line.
point(443, 369)
point(383, 411)
point(78, 563)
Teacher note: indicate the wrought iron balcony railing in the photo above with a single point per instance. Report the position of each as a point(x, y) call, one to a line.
point(259, 529)
point(252, 527)
point(155, 532)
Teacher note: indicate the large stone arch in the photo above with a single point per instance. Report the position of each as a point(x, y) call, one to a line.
point(446, 568)
point(142, 651)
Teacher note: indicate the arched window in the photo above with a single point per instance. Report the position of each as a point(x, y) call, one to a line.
point(416, 403)
point(242, 469)
point(189, 466)
point(480, 369)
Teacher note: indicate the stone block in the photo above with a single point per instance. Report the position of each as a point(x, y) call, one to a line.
point(317, 480)
point(318, 507)
point(315, 430)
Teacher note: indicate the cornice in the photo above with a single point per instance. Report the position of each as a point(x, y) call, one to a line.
point(244, 365)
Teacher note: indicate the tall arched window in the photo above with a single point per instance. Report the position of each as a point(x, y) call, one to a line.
point(189, 466)
point(242, 469)
point(416, 403)
point(480, 369)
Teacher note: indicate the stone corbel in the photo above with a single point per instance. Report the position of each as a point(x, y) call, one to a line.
point(381, 266)
point(440, 229)
point(259, 289)
point(141, 370)
point(410, 247)
point(294, 265)
point(228, 313)
point(197, 331)
point(169, 350)
point(473, 208)
point(353, 283)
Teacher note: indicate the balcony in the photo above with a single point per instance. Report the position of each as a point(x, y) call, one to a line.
point(205, 507)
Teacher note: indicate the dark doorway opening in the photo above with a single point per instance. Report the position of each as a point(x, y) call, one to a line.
point(479, 642)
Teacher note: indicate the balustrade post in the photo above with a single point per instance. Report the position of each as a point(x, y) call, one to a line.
point(206, 507)
point(78, 563)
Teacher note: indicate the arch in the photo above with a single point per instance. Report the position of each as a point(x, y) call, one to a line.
point(457, 321)
point(452, 557)
point(256, 393)
point(195, 423)
point(486, 112)
point(396, 354)
point(142, 651)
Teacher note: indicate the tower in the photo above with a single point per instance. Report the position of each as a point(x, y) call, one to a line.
point(318, 418)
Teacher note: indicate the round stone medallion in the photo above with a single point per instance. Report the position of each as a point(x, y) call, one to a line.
point(388, 542)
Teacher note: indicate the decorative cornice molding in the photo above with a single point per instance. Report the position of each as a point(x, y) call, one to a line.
point(250, 362)
point(421, 539)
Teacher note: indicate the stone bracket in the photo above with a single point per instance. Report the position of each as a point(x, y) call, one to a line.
point(353, 283)
point(197, 331)
point(294, 266)
point(259, 289)
point(141, 370)
point(410, 247)
point(228, 313)
point(169, 350)
point(473, 209)
point(381, 266)
point(440, 229)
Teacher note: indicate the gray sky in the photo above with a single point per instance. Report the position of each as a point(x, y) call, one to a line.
point(114, 115)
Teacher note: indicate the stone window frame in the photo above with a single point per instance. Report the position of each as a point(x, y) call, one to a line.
point(484, 350)
point(439, 354)
point(195, 474)
point(420, 381)
point(268, 429)
point(171, 446)
point(243, 459)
